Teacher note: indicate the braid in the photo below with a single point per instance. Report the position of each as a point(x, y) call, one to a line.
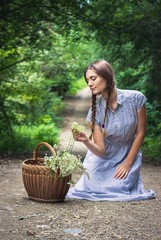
point(102, 69)
point(103, 124)
point(109, 90)
point(93, 115)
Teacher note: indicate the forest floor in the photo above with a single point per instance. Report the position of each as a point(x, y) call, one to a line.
point(22, 218)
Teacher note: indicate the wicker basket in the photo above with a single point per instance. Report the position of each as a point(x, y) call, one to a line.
point(40, 184)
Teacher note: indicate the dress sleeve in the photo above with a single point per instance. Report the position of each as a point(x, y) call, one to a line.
point(97, 118)
point(140, 100)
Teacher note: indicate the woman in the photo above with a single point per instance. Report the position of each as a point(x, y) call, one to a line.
point(118, 126)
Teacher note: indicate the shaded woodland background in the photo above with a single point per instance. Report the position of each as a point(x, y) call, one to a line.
point(44, 48)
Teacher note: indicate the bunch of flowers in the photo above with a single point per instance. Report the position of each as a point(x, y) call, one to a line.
point(66, 162)
point(77, 127)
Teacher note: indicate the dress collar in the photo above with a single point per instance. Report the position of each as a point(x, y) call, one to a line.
point(119, 98)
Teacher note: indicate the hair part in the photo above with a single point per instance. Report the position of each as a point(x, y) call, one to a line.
point(104, 70)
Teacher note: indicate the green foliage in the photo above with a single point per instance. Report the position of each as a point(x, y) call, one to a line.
point(76, 86)
point(152, 144)
point(43, 55)
point(151, 148)
point(27, 137)
point(130, 33)
point(41, 62)
point(64, 64)
point(133, 30)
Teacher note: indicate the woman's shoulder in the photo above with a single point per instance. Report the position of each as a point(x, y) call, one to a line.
point(130, 94)
point(133, 97)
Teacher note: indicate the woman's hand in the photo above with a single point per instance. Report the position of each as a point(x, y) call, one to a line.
point(122, 171)
point(97, 146)
point(80, 136)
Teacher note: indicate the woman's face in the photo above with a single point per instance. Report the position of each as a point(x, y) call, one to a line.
point(97, 84)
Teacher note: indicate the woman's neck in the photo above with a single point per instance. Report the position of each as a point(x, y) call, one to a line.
point(113, 97)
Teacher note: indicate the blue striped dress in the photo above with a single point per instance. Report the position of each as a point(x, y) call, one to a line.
point(120, 126)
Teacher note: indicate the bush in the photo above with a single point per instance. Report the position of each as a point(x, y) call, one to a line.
point(27, 137)
point(152, 145)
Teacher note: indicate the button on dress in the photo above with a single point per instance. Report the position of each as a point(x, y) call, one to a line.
point(120, 127)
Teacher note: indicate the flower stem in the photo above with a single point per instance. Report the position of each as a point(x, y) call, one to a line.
point(70, 144)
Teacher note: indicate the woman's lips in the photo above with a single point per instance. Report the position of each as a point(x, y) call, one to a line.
point(92, 89)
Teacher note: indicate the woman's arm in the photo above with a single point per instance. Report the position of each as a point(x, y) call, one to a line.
point(124, 168)
point(98, 146)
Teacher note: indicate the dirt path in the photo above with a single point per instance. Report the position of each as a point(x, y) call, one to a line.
point(76, 111)
point(21, 218)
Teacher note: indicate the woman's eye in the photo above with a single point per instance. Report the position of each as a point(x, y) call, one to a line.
point(93, 78)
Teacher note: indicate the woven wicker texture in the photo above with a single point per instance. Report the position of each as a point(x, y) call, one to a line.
point(40, 184)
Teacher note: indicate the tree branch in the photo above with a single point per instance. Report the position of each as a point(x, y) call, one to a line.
point(15, 63)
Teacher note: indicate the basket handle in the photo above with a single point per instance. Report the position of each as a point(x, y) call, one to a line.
point(35, 153)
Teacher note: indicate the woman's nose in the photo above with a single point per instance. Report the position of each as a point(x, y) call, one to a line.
point(89, 83)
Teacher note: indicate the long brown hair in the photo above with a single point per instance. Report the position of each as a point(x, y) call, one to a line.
point(104, 70)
